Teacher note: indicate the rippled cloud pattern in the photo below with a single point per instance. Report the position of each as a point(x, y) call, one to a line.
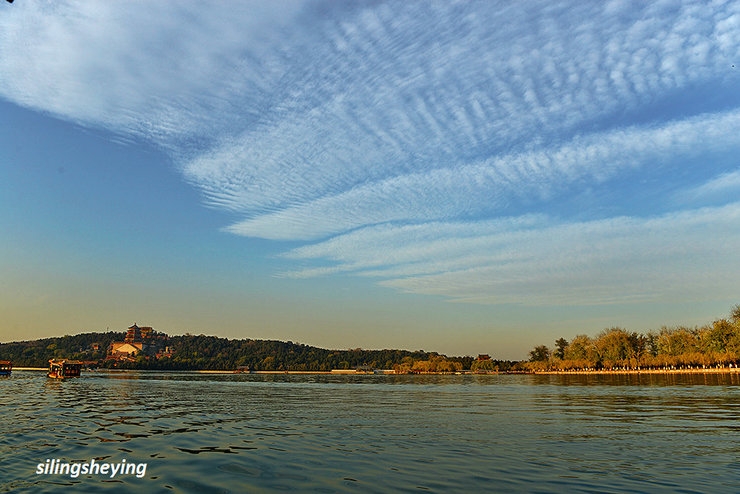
point(495, 152)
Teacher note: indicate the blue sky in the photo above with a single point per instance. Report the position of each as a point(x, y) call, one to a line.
point(465, 177)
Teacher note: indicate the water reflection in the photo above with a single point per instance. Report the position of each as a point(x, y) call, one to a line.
point(641, 379)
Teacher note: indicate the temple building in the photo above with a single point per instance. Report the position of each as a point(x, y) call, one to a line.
point(137, 340)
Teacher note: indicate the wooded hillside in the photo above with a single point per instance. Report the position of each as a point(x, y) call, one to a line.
point(190, 352)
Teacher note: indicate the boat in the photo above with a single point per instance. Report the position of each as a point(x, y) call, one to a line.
point(6, 367)
point(62, 369)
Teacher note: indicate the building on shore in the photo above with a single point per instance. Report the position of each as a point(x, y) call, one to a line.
point(139, 340)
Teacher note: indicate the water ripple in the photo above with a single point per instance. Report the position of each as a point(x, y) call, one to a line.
point(324, 433)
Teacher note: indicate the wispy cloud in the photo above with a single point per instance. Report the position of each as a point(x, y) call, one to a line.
point(534, 260)
point(492, 186)
point(392, 92)
point(720, 189)
point(400, 124)
point(165, 71)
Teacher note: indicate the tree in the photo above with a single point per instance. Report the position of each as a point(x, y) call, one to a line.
point(614, 348)
point(539, 354)
point(677, 346)
point(721, 335)
point(268, 363)
point(560, 344)
point(638, 344)
point(735, 314)
point(484, 366)
point(580, 353)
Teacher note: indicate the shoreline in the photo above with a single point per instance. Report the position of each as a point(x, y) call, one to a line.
point(712, 370)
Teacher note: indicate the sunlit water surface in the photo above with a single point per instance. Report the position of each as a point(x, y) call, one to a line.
point(373, 433)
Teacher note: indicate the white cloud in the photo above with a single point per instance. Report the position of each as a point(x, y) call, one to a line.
point(161, 70)
point(536, 260)
point(420, 128)
point(349, 93)
point(484, 187)
point(722, 188)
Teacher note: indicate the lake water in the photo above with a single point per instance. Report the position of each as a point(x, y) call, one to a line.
point(372, 433)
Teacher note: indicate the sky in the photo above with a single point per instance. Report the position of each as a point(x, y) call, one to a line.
point(460, 177)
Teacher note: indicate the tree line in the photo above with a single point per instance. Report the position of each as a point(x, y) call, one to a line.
point(201, 352)
point(712, 345)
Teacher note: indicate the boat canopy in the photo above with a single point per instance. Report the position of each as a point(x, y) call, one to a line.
point(64, 368)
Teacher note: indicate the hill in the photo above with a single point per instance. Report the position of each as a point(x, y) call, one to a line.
point(201, 352)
